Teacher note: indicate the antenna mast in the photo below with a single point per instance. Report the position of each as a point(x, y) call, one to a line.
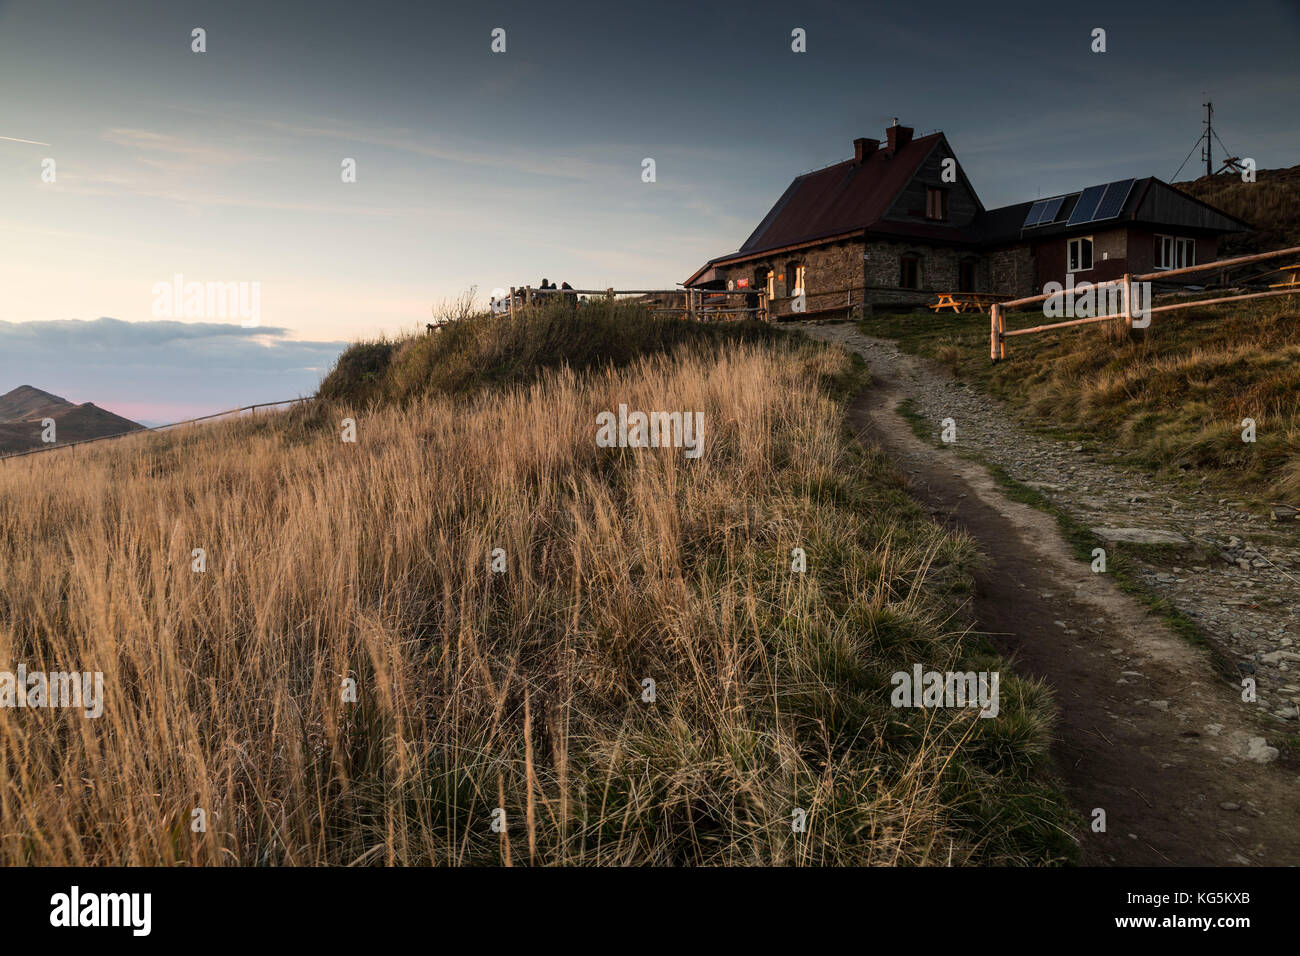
point(1207, 150)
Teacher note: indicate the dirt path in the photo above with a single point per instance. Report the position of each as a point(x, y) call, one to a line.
point(1149, 731)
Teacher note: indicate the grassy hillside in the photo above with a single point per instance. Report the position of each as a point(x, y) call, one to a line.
point(522, 690)
point(1269, 204)
point(1173, 401)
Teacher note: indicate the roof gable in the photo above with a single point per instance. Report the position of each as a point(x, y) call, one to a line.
point(1164, 205)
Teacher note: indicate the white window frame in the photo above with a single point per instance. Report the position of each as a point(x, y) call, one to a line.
point(1070, 256)
point(800, 272)
point(1168, 252)
point(1176, 252)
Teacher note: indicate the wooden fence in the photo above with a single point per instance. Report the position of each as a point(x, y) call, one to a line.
point(695, 304)
point(154, 428)
point(998, 333)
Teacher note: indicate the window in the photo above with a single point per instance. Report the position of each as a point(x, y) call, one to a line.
point(795, 274)
point(1173, 252)
point(936, 203)
point(909, 271)
point(1079, 256)
point(966, 275)
point(769, 278)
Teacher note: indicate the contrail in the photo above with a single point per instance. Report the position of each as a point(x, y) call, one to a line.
point(14, 139)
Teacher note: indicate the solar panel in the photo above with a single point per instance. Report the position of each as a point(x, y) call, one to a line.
point(1036, 212)
point(1113, 201)
point(1043, 211)
point(1053, 207)
point(1086, 207)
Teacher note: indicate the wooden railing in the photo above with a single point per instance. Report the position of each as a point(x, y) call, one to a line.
point(821, 301)
point(154, 428)
point(998, 334)
point(695, 302)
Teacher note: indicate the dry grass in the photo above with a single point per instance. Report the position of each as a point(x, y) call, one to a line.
point(1268, 204)
point(1175, 399)
point(519, 690)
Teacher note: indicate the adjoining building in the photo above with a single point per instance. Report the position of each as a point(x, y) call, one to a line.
point(900, 223)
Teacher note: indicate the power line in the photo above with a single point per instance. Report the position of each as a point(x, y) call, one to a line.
point(1187, 157)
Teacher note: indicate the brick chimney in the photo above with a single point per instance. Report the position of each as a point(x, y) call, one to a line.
point(898, 136)
point(863, 148)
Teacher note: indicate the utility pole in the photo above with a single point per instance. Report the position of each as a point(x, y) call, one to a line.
point(1209, 132)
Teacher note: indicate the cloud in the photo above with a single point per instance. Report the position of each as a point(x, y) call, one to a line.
point(161, 369)
point(203, 154)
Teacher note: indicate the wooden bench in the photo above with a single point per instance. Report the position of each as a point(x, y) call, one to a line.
point(1293, 277)
point(966, 301)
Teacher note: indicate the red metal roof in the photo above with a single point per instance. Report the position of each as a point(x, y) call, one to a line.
point(840, 198)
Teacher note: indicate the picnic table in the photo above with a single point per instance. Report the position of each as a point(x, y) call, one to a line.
point(966, 301)
point(1293, 277)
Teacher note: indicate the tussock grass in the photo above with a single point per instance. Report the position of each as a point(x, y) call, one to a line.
point(1174, 399)
point(1268, 204)
point(521, 690)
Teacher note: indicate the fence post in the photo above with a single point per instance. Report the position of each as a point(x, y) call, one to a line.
point(1128, 308)
point(995, 314)
point(512, 302)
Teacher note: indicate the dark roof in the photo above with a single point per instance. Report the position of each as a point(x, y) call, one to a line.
point(842, 198)
point(851, 199)
point(1151, 202)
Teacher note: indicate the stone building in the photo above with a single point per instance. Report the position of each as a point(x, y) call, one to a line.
point(900, 222)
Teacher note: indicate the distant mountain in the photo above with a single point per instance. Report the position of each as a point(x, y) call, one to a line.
point(1271, 204)
point(25, 402)
point(23, 409)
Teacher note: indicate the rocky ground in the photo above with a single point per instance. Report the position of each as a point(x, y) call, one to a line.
point(1234, 573)
point(1152, 737)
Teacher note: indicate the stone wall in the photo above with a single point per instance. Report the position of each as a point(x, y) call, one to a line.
point(834, 266)
point(939, 272)
point(1011, 271)
point(841, 265)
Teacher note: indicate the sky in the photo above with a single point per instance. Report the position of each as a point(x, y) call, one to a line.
point(482, 169)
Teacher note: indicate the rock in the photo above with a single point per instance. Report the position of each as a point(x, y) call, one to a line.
point(1229, 806)
point(1276, 657)
point(1258, 750)
point(1141, 536)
